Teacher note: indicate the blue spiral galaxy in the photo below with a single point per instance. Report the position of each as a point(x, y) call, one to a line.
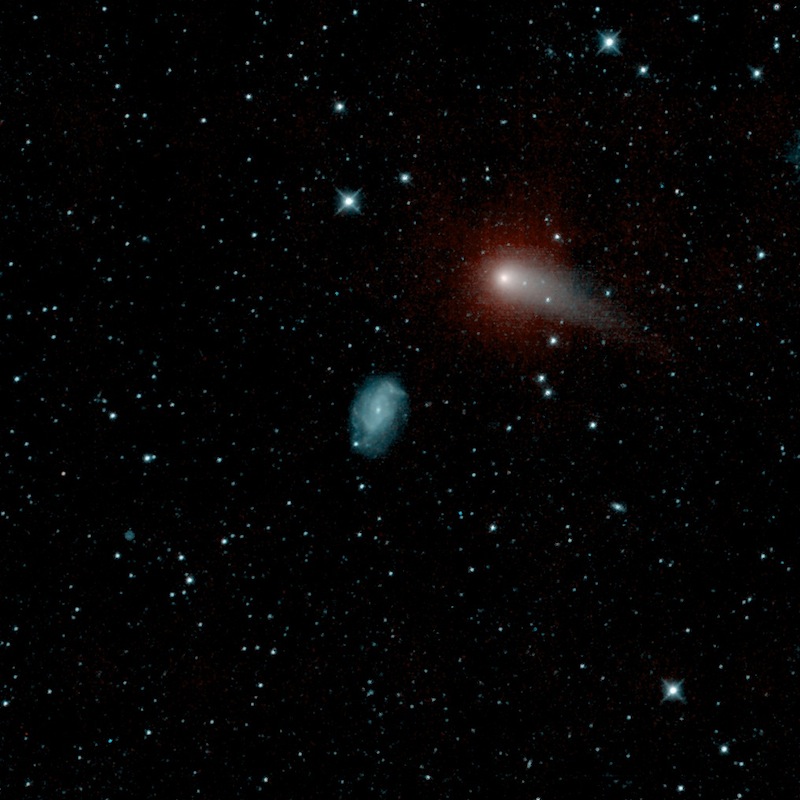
point(377, 415)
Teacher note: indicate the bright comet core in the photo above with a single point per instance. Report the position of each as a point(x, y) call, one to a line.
point(533, 286)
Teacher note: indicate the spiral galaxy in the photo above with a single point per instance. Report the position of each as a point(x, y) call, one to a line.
point(377, 415)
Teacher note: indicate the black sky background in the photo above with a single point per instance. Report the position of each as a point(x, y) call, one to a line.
point(474, 614)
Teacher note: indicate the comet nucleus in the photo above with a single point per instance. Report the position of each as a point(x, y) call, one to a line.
point(529, 284)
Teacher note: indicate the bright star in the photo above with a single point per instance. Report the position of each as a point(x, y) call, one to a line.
point(349, 202)
point(339, 107)
point(609, 42)
point(672, 691)
point(405, 177)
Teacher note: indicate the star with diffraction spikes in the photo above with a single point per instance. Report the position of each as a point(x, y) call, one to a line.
point(349, 202)
point(609, 43)
point(672, 692)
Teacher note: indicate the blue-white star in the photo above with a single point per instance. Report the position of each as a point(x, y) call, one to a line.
point(349, 202)
point(609, 42)
point(672, 692)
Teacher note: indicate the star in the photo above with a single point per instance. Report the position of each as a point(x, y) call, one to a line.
point(672, 692)
point(349, 202)
point(609, 42)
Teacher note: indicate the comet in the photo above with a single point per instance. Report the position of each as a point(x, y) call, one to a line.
point(531, 285)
